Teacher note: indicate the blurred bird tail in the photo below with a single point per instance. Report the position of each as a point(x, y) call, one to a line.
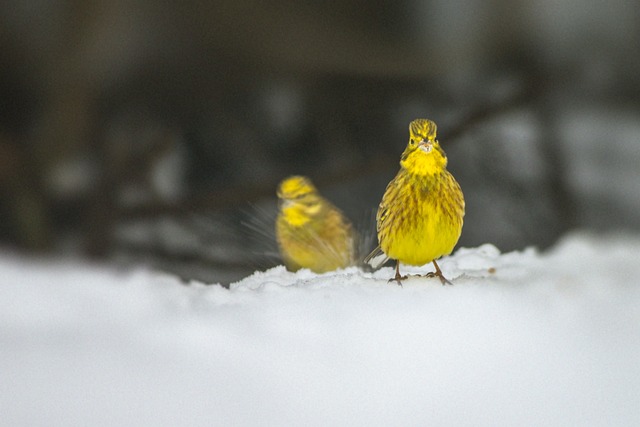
point(376, 259)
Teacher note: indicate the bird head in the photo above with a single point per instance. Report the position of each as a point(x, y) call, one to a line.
point(423, 155)
point(299, 199)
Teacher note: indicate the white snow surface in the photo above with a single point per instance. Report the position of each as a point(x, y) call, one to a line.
point(547, 338)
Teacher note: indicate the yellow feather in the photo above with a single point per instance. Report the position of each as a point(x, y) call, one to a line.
point(421, 214)
point(311, 232)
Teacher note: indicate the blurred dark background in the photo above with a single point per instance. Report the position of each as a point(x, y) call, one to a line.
point(156, 132)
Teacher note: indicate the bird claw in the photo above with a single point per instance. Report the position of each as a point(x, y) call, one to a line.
point(398, 280)
point(438, 273)
point(443, 279)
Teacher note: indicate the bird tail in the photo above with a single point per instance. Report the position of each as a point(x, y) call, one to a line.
point(376, 259)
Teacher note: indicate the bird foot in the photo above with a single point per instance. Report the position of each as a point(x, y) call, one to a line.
point(398, 279)
point(440, 276)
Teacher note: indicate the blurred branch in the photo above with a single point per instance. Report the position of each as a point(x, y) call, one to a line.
point(557, 182)
point(227, 198)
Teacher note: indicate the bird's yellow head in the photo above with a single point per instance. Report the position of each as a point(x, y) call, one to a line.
point(299, 200)
point(423, 155)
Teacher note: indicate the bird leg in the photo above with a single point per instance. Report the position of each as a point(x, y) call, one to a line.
point(439, 274)
point(398, 278)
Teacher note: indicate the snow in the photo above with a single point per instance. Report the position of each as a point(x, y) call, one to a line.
point(522, 338)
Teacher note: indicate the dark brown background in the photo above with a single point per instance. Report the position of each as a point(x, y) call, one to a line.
point(151, 132)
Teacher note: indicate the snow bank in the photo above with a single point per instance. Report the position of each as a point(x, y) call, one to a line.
point(520, 339)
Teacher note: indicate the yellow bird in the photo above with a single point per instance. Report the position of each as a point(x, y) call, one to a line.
point(311, 232)
point(421, 214)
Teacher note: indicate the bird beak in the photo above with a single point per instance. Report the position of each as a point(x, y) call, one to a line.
point(425, 145)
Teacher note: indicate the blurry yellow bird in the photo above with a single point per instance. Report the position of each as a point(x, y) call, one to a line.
point(421, 214)
point(311, 232)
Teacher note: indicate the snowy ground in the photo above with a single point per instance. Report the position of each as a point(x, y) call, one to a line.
point(545, 339)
